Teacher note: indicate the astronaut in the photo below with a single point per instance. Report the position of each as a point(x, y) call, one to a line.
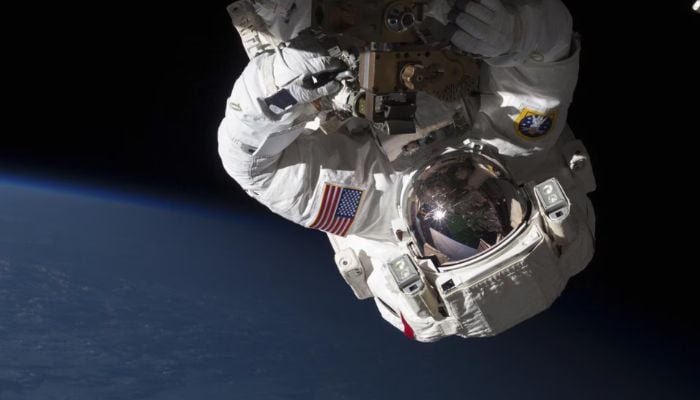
point(469, 225)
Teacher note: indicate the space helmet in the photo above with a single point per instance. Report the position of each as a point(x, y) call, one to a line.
point(460, 204)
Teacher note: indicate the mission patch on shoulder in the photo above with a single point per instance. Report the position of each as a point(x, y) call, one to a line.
point(532, 124)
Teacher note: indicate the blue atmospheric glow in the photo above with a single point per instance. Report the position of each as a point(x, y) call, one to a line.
point(107, 294)
point(109, 193)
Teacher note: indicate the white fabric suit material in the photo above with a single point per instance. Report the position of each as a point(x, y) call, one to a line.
point(291, 182)
point(287, 165)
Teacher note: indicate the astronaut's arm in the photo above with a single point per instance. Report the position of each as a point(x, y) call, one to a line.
point(543, 33)
point(507, 33)
point(332, 182)
point(525, 93)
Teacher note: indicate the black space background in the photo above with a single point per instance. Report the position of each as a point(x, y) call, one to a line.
point(129, 96)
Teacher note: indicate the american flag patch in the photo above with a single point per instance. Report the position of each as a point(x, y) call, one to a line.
point(338, 208)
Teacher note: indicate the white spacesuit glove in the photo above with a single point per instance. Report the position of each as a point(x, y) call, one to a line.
point(483, 27)
point(284, 18)
point(300, 77)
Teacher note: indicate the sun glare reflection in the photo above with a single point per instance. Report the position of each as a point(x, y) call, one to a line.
point(439, 214)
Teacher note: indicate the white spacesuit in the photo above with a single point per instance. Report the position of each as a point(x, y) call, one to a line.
point(467, 227)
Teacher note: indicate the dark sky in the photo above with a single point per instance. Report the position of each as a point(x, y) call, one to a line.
point(129, 95)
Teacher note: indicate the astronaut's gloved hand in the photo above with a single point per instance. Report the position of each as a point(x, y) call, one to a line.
point(301, 77)
point(483, 27)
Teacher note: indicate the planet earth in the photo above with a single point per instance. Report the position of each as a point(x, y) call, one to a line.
point(107, 295)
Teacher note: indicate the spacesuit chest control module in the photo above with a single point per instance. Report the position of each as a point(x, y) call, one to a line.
point(486, 218)
point(479, 253)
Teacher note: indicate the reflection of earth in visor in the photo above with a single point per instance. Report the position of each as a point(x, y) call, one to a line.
point(462, 204)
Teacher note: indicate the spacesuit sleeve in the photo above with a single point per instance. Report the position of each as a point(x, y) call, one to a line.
point(333, 182)
point(525, 94)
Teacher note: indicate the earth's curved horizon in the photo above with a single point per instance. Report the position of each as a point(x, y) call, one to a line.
point(109, 297)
